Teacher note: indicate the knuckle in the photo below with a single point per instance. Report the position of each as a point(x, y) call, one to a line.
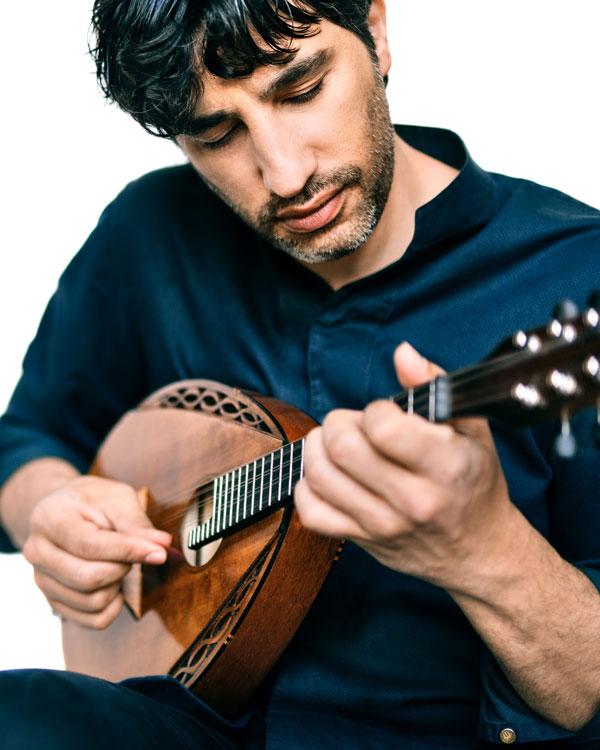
point(86, 579)
point(425, 510)
point(458, 468)
point(309, 517)
point(30, 551)
point(389, 530)
point(342, 443)
point(105, 618)
point(40, 581)
point(99, 600)
point(383, 432)
point(316, 473)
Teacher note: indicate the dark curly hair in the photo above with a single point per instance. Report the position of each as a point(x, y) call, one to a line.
point(149, 53)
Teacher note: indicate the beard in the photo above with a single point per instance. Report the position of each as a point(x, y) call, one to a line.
point(372, 183)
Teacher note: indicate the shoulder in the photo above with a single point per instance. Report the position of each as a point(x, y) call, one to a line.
point(166, 214)
point(167, 194)
point(545, 207)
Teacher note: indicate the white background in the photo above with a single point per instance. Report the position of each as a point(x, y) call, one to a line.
point(518, 79)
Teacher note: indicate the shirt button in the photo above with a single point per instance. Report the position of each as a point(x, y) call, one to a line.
point(508, 736)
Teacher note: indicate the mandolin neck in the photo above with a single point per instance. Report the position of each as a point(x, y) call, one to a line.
point(550, 372)
point(250, 491)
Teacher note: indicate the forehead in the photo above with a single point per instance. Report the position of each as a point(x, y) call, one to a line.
point(330, 40)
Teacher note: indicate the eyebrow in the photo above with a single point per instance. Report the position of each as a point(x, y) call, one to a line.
point(296, 72)
point(293, 73)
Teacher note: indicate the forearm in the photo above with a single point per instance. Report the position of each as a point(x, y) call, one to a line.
point(25, 488)
point(540, 617)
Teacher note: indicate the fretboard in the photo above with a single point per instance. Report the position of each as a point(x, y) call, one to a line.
point(250, 491)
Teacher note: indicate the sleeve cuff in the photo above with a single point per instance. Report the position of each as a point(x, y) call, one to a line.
point(506, 719)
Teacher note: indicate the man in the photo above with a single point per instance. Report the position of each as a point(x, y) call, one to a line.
point(352, 238)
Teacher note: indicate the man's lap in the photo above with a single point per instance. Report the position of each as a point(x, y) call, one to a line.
point(55, 710)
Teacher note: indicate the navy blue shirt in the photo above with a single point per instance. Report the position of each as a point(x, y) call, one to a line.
point(172, 285)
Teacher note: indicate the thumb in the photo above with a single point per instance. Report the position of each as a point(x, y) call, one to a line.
point(411, 368)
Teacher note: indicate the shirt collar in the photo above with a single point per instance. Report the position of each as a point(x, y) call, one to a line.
point(462, 207)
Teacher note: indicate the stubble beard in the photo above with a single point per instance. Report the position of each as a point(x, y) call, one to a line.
point(372, 183)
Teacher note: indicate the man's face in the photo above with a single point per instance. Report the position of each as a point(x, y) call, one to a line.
point(303, 152)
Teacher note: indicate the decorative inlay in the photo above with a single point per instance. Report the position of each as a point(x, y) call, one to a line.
point(213, 398)
point(218, 632)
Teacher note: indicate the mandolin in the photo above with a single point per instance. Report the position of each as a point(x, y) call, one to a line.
point(216, 467)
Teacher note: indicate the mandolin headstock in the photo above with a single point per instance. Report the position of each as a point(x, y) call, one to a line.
point(546, 373)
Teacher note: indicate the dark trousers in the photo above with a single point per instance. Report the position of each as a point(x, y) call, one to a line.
point(47, 710)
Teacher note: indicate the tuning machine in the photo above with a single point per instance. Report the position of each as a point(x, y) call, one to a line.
point(592, 314)
point(565, 444)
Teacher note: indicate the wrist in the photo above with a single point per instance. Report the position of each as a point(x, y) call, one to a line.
point(25, 488)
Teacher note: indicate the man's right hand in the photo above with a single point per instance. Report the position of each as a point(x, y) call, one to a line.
point(83, 539)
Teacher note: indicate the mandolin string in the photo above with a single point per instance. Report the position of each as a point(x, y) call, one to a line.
point(204, 495)
point(226, 504)
point(421, 397)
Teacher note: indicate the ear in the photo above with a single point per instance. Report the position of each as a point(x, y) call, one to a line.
point(378, 27)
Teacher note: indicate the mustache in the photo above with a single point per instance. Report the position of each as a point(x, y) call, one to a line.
point(336, 178)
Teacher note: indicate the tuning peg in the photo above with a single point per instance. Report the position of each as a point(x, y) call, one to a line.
point(565, 310)
point(594, 300)
point(565, 445)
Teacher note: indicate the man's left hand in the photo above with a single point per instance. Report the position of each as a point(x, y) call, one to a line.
point(422, 498)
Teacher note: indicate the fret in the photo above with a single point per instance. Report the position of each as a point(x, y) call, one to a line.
point(411, 401)
point(231, 490)
point(213, 518)
point(219, 502)
point(291, 465)
point(280, 475)
point(301, 459)
point(249, 480)
point(253, 488)
point(262, 483)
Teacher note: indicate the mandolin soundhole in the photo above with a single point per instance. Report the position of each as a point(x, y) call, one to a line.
point(198, 512)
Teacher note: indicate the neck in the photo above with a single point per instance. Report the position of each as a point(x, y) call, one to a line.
point(418, 179)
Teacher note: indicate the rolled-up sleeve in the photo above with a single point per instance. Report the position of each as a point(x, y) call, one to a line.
point(574, 530)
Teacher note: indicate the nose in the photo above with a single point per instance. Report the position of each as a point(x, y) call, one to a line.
point(286, 162)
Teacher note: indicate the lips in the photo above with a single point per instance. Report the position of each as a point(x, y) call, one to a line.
point(311, 218)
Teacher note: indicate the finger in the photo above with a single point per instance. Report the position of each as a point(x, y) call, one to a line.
point(411, 368)
point(93, 603)
point(71, 571)
point(82, 538)
point(419, 446)
point(96, 620)
point(321, 517)
point(117, 506)
point(351, 478)
point(406, 498)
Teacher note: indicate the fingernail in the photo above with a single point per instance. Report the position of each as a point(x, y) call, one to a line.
point(156, 558)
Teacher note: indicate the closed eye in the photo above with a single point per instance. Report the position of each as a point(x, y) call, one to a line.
point(223, 141)
point(307, 96)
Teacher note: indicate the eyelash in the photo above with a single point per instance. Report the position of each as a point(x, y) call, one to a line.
point(307, 96)
point(214, 145)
